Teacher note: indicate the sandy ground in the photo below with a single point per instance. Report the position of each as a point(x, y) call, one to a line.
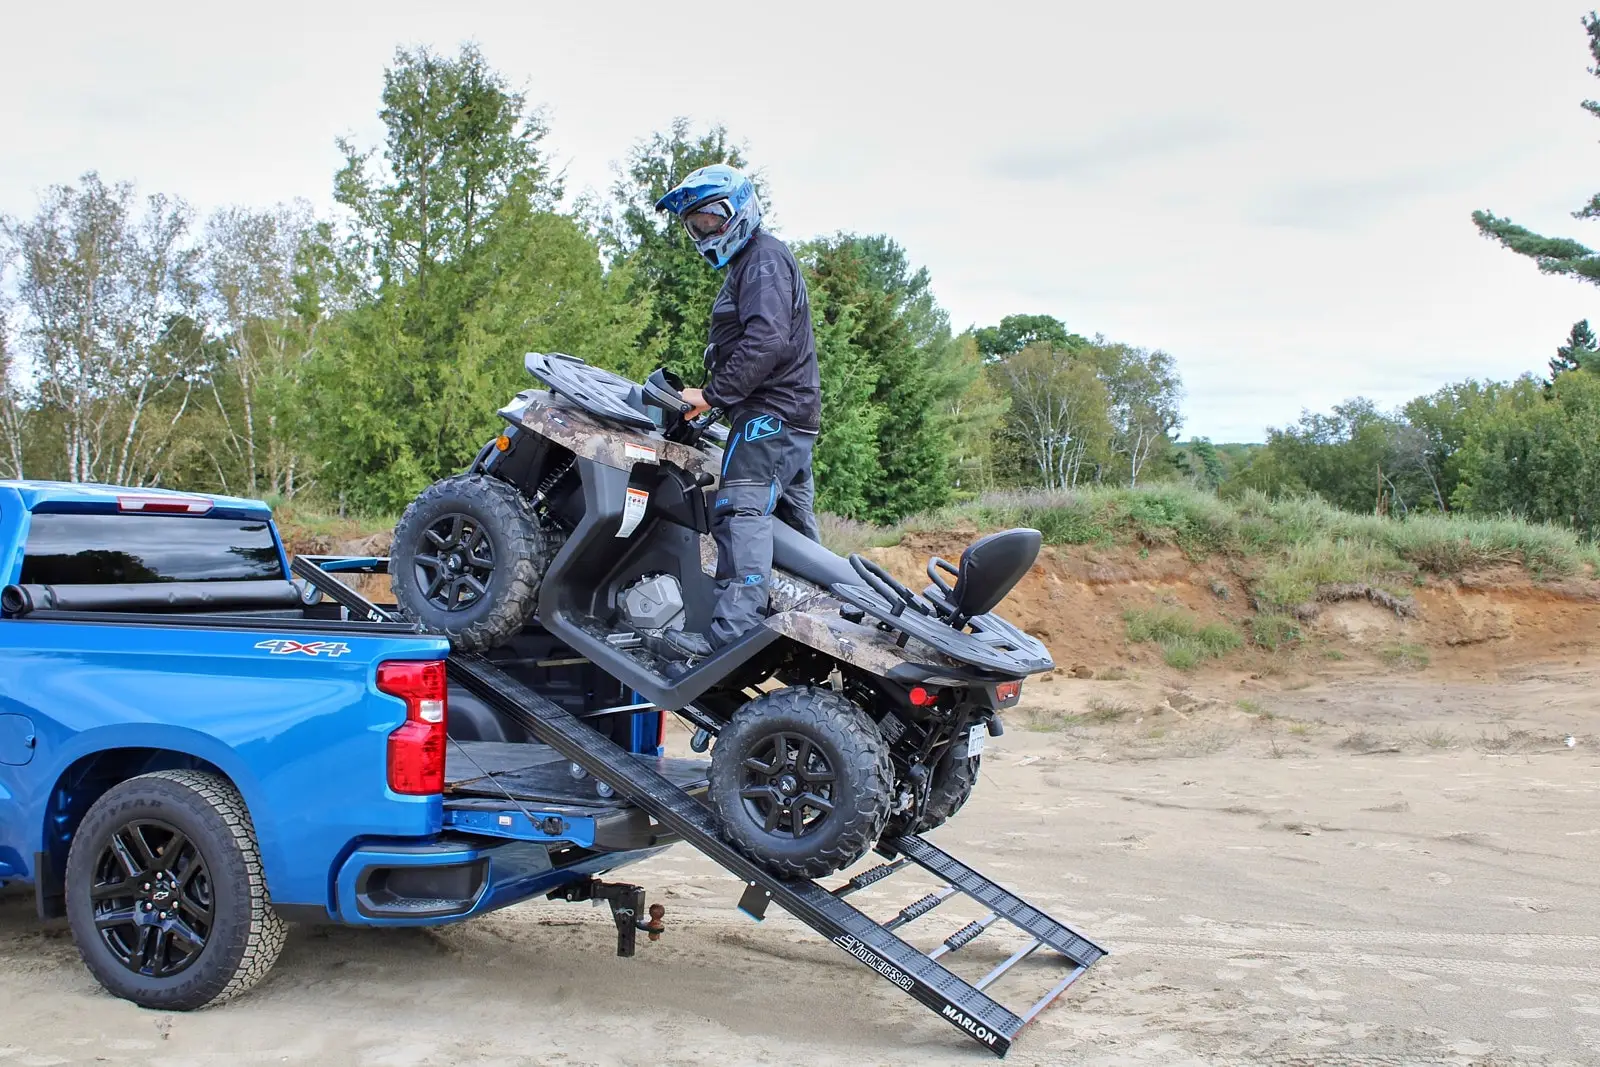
point(1369, 871)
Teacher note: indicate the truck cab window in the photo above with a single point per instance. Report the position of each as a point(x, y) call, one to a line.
point(79, 549)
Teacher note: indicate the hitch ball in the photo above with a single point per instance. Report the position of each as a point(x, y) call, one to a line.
point(655, 927)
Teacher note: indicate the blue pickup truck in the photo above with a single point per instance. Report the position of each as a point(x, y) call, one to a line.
point(194, 749)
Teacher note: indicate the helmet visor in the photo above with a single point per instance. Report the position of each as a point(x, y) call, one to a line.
point(708, 220)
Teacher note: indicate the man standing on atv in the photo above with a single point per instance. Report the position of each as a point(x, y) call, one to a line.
point(761, 367)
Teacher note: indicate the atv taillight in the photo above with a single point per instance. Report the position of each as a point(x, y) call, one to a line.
point(416, 749)
point(1007, 691)
point(923, 698)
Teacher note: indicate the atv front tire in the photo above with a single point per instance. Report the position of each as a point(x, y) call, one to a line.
point(468, 559)
point(801, 782)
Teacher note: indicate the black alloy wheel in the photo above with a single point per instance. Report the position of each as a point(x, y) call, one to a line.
point(455, 564)
point(787, 785)
point(801, 781)
point(153, 906)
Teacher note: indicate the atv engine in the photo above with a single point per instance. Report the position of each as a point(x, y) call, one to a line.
point(654, 602)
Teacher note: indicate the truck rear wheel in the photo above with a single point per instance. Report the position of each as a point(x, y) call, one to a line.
point(165, 892)
point(801, 782)
point(469, 556)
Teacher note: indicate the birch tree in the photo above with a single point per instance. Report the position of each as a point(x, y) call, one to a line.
point(12, 402)
point(1143, 390)
point(253, 297)
point(107, 301)
point(1058, 412)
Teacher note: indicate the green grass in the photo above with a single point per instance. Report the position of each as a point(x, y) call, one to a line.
point(1256, 708)
point(299, 522)
point(1292, 575)
point(1108, 711)
point(1292, 546)
point(1183, 641)
point(1405, 656)
point(1287, 548)
point(1273, 631)
point(846, 536)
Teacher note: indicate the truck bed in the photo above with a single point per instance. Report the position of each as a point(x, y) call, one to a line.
point(538, 774)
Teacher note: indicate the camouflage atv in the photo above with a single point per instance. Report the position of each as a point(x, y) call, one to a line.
point(591, 511)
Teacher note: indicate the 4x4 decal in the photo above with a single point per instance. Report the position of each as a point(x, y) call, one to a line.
point(283, 647)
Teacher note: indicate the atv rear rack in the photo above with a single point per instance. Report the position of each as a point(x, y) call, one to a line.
point(965, 1005)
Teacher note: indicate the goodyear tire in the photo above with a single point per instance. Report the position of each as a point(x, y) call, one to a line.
point(801, 782)
point(165, 892)
point(468, 559)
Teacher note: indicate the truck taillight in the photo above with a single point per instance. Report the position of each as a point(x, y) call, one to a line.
point(416, 749)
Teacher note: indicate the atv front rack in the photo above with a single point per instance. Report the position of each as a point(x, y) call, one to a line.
point(924, 976)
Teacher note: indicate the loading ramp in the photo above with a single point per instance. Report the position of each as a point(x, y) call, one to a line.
point(922, 975)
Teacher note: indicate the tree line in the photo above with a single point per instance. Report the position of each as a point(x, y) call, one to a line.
point(350, 359)
point(1529, 447)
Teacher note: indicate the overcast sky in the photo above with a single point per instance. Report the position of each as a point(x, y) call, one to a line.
point(1278, 194)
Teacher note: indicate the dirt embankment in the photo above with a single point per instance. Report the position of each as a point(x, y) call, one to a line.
point(1076, 599)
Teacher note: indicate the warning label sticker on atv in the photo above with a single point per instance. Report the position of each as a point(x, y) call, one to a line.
point(638, 453)
point(633, 511)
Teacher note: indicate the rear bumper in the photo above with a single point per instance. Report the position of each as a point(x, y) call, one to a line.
point(454, 878)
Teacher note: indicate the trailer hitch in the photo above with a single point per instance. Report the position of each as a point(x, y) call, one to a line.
point(627, 907)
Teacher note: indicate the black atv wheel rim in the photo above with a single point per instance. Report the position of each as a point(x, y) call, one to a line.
point(787, 785)
point(455, 563)
point(152, 897)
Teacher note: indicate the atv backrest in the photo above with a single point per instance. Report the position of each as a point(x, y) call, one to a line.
point(990, 567)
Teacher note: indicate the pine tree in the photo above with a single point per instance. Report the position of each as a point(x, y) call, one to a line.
point(455, 264)
point(896, 324)
point(1579, 353)
point(1554, 255)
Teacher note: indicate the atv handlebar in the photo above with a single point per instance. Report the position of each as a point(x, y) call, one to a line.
point(665, 389)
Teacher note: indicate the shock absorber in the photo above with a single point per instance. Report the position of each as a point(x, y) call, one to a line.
point(551, 480)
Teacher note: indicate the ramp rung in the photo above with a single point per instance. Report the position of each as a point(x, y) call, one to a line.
point(1060, 988)
point(964, 936)
point(1033, 922)
point(866, 878)
point(917, 909)
point(1016, 957)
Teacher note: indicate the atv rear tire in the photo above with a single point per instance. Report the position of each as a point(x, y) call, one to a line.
point(801, 782)
point(952, 787)
point(468, 559)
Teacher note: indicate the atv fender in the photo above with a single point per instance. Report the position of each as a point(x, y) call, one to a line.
point(609, 444)
point(872, 650)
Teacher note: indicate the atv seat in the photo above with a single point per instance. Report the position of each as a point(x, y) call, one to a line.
point(796, 553)
point(990, 568)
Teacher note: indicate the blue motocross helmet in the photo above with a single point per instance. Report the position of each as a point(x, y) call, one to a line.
point(720, 209)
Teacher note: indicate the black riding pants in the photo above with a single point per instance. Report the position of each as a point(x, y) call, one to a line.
point(766, 475)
